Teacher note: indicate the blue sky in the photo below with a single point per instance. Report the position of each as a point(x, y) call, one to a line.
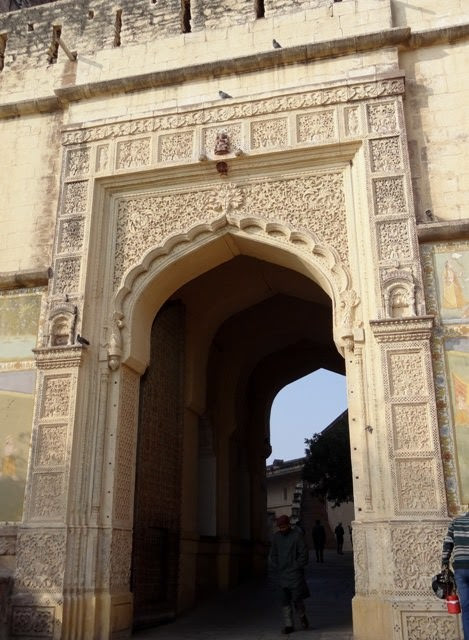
point(302, 408)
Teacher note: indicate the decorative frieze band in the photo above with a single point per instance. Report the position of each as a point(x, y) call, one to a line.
point(381, 118)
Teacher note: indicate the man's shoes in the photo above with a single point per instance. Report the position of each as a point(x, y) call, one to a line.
point(287, 630)
point(304, 622)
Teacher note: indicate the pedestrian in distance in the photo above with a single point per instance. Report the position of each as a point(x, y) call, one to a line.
point(456, 546)
point(339, 535)
point(319, 540)
point(288, 559)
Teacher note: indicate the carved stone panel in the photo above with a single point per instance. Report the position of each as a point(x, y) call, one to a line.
point(47, 501)
point(78, 162)
point(55, 397)
point(382, 117)
point(121, 554)
point(318, 126)
point(176, 146)
point(51, 445)
point(389, 196)
point(71, 232)
point(32, 621)
point(386, 154)
point(102, 158)
point(126, 443)
point(66, 276)
point(416, 485)
point(394, 241)
point(416, 551)
point(406, 374)
point(353, 126)
point(410, 425)
point(269, 133)
point(75, 197)
point(431, 626)
point(40, 561)
point(133, 153)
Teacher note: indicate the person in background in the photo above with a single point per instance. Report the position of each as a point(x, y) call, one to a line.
point(288, 558)
point(456, 545)
point(319, 540)
point(339, 534)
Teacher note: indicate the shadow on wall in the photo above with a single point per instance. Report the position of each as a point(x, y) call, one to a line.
point(14, 5)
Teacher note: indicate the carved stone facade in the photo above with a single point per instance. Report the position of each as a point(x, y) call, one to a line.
point(305, 168)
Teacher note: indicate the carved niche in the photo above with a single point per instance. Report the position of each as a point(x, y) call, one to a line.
point(62, 324)
point(398, 294)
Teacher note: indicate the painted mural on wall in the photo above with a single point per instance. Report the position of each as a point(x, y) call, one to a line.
point(19, 320)
point(446, 267)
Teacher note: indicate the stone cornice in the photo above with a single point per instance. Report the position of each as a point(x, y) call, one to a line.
point(59, 357)
point(23, 279)
point(403, 37)
point(402, 329)
point(449, 230)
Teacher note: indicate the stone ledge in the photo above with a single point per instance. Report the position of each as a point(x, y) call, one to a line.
point(448, 230)
point(24, 279)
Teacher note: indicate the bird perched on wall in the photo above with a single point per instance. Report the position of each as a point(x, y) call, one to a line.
point(224, 95)
point(276, 44)
point(82, 340)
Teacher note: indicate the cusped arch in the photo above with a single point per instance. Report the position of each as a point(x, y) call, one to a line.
point(165, 268)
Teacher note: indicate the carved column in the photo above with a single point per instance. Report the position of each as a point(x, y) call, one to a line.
point(42, 538)
point(406, 544)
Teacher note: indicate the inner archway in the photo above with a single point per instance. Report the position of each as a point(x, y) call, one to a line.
point(237, 334)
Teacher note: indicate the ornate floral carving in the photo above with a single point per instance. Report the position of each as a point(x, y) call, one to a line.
point(416, 485)
point(40, 561)
point(78, 162)
point(71, 235)
point(316, 127)
point(133, 153)
point(115, 342)
point(406, 374)
point(55, 397)
point(176, 146)
point(394, 241)
point(75, 197)
point(47, 496)
point(385, 154)
point(431, 627)
point(382, 117)
point(209, 138)
point(121, 554)
point(102, 157)
point(278, 104)
point(352, 121)
point(389, 196)
point(51, 443)
point(32, 621)
point(126, 446)
point(314, 201)
point(66, 275)
point(416, 551)
point(411, 429)
point(269, 133)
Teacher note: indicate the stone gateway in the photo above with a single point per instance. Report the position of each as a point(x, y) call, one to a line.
point(191, 218)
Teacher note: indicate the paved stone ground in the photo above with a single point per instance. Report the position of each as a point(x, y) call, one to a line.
point(251, 612)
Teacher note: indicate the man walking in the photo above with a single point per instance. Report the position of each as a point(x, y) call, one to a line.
point(339, 534)
point(288, 558)
point(456, 544)
point(319, 540)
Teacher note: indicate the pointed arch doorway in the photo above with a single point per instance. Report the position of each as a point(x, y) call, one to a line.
point(222, 346)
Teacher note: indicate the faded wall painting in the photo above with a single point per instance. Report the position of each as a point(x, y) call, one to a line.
point(457, 357)
point(19, 320)
point(452, 274)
